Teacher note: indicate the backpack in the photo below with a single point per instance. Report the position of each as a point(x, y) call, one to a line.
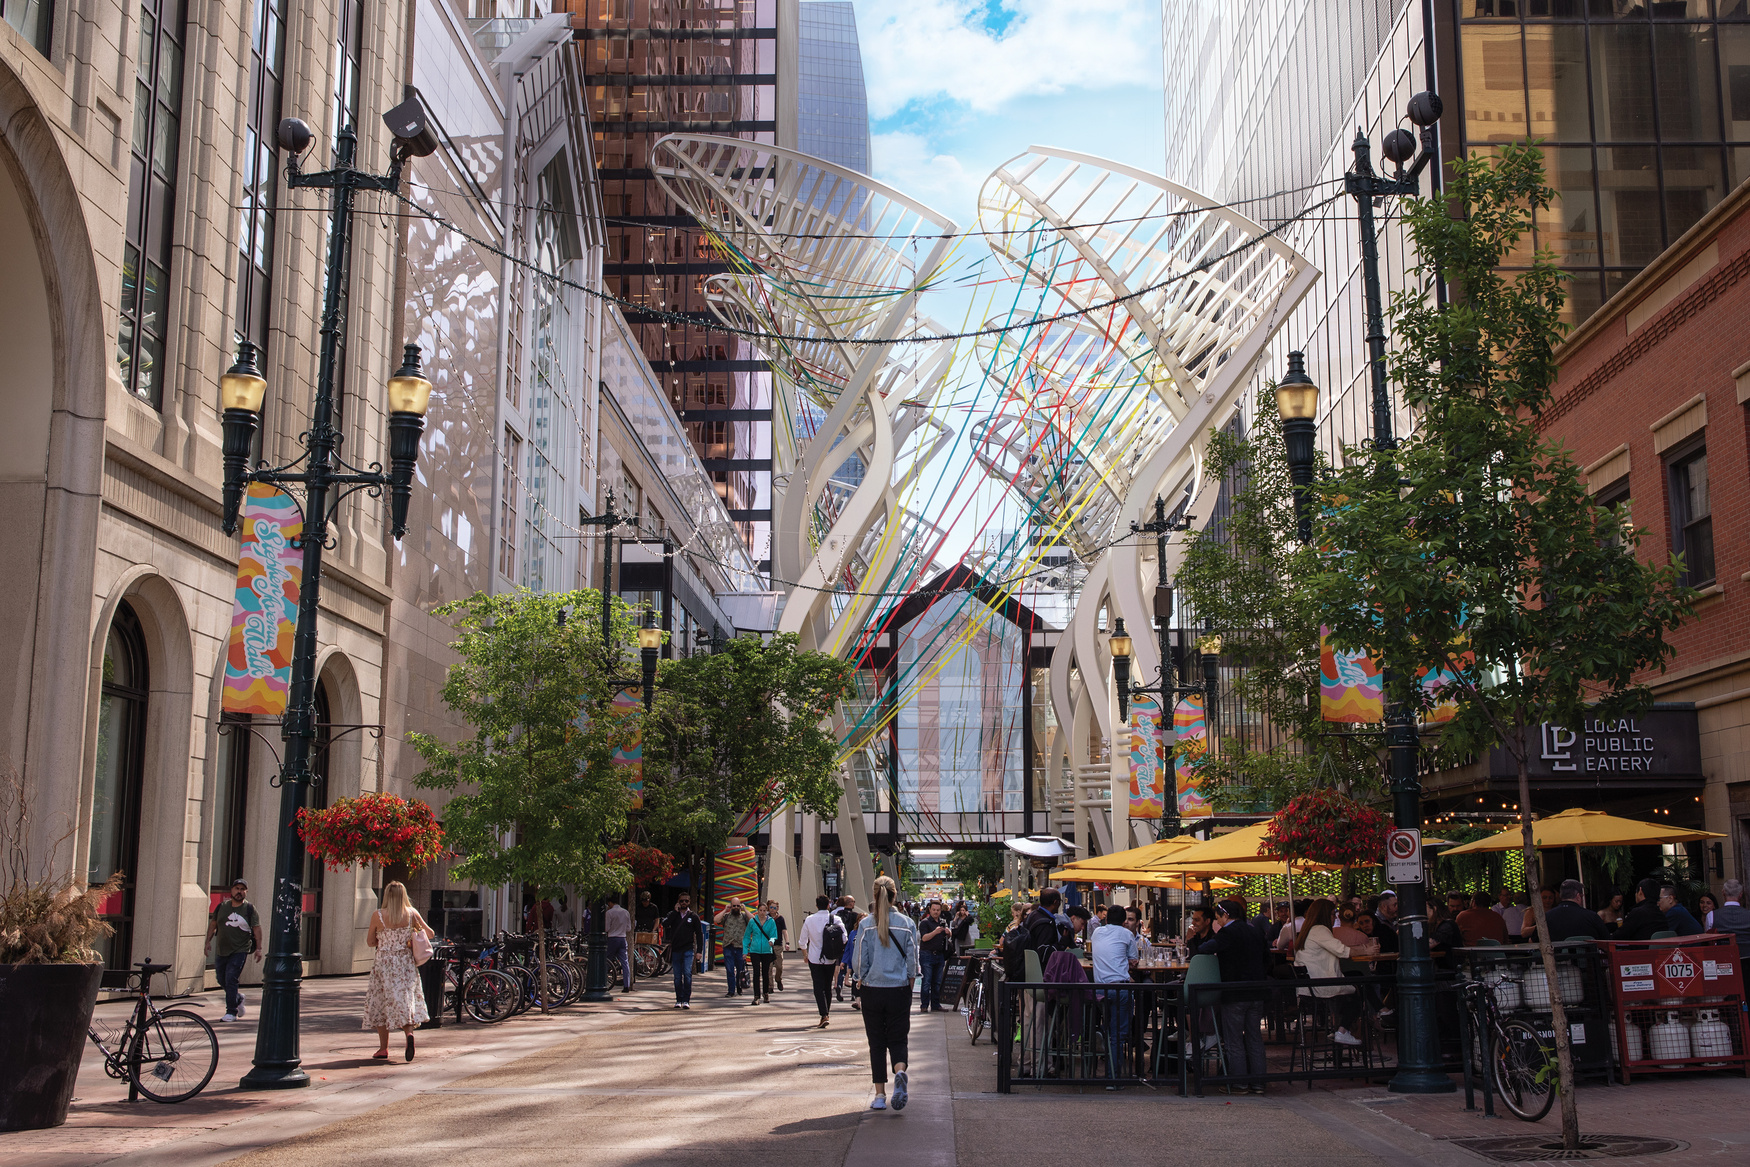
point(832, 940)
point(1014, 943)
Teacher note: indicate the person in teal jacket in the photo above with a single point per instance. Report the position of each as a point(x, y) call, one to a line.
point(760, 942)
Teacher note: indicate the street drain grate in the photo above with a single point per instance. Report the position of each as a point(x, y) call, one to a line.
point(1547, 1149)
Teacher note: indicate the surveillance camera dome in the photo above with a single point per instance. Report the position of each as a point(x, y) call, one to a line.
point(295, 135)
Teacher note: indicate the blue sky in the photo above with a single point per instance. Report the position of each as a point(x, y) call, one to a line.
point(955, 89)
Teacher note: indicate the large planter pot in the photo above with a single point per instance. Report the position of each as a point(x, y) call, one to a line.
point(45, 1010)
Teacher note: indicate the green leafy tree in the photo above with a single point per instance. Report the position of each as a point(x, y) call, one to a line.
point(739, 728)
point(1473, 548)
point(1247, 577)
point(535, 797)
point(981, 869)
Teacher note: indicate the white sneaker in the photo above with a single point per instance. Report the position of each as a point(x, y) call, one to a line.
point(229, 1017)
point(239, 1012)
point(1344, 1037)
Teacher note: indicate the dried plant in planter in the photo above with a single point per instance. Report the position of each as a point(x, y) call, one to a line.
point(46, 919)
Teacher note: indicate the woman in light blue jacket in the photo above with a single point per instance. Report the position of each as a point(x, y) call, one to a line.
point(886, 966)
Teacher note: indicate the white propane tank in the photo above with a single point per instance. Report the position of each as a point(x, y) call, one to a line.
point(1710, 1037)
point(1637, 1046)
point(1508, 993)
point(1568, 979)
point(1669, 1038)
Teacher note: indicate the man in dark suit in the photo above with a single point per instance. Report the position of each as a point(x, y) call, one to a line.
point(1647, 917)
point(1569, 920)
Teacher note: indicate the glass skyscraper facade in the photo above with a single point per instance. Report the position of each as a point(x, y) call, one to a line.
point(1643, 109)
point(656, 67)
point(832, 106)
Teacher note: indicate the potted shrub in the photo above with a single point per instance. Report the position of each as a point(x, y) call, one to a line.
point(49, 975)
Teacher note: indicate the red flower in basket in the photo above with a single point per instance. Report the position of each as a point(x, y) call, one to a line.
point(647, 864)
point(1325, 826)
point(373, 828)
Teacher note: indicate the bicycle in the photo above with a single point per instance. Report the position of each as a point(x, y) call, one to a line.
point(1520, 1064)
point(977, 1006)
point(486, 994)
point(168, 1055)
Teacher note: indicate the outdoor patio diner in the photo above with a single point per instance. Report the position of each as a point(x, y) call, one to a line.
point(1232, 966)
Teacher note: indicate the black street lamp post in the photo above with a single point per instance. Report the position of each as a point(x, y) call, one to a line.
point(1297, 402)
point(649, 645)
point(1160, 527)
point(320, 470)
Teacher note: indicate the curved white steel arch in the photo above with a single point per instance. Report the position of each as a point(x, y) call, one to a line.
point(821, 257)
point(1196, 291)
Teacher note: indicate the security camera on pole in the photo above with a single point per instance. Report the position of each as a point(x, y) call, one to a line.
point(319, 471)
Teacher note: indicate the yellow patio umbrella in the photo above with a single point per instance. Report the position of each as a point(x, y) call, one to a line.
point(1135, 857)
point(1586, 828)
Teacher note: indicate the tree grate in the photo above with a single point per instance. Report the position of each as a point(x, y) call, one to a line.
point(1546, 1148)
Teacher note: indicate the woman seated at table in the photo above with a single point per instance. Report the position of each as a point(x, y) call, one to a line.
point(1318, 950)
point(1347, 930)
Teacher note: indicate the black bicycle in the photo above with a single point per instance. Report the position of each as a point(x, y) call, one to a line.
point(1522, 1067)
point(168, 1055)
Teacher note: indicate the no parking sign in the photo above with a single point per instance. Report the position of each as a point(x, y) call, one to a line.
point(1403, 856)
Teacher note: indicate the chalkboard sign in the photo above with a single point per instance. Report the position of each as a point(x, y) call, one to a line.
point(952, 976)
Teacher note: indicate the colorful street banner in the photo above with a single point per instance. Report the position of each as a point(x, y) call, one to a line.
point(629, 702)
point(1148, 758)
point(735, 875)
point(1350, 686)
point(1191, 732)
point(264, 617)
point(1434, 680)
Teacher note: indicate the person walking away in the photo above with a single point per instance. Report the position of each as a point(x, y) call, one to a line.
point(393, 996)
point(1732, 918)
point(783, 943)
point(683, 931)
point(1479, 922)
point(933, 940)
point(823, 944)
point(887, 962)
point(1318, 951)
point(1115, 950)
point(761, 941)
point(617, 925)
point(731, 925)
point(1569, 919)
point(1243, 956)
point(847, 914)
point(237, 927)
point(1646, 917)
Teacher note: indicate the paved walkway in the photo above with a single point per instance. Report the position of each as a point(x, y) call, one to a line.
point(727, 1084)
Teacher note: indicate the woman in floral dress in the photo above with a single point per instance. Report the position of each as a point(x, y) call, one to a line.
point(394, 999)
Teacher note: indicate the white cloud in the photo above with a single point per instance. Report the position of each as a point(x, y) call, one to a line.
point(910, 162)
point(926, 50)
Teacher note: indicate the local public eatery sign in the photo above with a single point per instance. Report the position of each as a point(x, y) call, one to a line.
point(1663, 742)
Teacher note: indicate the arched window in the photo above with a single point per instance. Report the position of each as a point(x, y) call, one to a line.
point(120, 775)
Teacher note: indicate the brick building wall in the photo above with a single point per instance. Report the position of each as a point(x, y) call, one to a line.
point(1660, 376)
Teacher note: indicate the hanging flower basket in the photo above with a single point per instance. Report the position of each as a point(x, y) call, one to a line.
point(373, 828)
point(1323, 826)
point(647, 864)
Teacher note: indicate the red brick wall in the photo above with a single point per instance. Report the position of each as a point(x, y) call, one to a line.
point(1614, 385)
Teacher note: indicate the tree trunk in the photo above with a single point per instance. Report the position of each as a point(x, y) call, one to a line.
point(541, 958)
point(1558, 1011)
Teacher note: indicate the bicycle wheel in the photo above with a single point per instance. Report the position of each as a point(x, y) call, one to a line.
point(490, 995)
point(178, 1053)
point(1525, 1073)
point(975, 1011)
point(647, 962)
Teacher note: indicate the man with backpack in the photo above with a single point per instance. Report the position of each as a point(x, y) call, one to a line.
point(823, 941)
